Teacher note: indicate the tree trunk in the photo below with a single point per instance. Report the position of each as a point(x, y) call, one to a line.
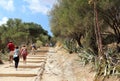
point(78, 37)
point(97, 32)
point(1, 61)
point(79, 43)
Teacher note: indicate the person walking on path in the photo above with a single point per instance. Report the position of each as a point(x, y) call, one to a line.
point(33, 48)
point(24, 53)
point(11, 48)
point(16, 56)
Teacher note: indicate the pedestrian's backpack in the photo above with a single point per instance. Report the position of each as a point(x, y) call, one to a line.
point(34, 46)
point(16, 53)
point(24, 52)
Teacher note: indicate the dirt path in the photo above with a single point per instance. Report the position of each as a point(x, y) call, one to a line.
point(26, 72)
point(62, 66)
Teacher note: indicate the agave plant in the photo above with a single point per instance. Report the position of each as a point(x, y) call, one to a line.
point(87, 56)
point(70, 45)
point(111, 66)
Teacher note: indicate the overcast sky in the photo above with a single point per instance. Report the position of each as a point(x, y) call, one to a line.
point(27, 10)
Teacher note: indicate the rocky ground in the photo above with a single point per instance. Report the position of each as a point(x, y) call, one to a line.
point(62, 66)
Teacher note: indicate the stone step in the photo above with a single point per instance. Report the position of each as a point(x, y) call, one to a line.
point(27, 66)
point(20, 72)
point(17, 75)
point(42, 51)
point(34, 61)
point(18, 78)
point(34, 64)
point(39, 56)
point(30, 71)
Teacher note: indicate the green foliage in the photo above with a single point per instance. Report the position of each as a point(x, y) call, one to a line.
point(20, 32)
point(103, 68)
point(53, 41)
point(44, 38)
point(73, 20)
point(4, 56)
point(87, 55)
point(113, 62)
point(39, 43)
point(108, 39)
point(70, 45)
point(109, 11)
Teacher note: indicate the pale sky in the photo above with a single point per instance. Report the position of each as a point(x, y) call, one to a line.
point(27, 10)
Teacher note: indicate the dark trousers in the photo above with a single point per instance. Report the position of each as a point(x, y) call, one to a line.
point(16, 59)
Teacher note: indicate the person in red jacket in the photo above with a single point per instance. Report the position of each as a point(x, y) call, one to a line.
point(11, 48)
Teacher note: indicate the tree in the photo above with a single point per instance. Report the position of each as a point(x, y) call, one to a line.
point(20, 32)
point(110, 13)
point(67, 19)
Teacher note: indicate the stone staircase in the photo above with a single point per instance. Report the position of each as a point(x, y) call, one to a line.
point(31, 71)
